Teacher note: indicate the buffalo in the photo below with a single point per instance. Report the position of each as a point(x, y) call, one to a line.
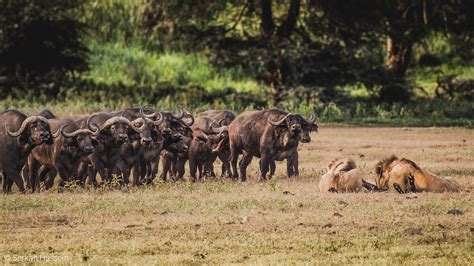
point(174, 158)
point(174, 142)
point(72, 144)
point(19, 134)
point(113, 132)
point(142, 147)
point(270, 135)
point(205, 141)
point(221, 119)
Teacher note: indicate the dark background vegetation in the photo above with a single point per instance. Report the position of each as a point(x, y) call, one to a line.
point(382, 61)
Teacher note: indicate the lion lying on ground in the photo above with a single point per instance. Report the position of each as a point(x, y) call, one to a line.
point(343, 176)
point(405, 176)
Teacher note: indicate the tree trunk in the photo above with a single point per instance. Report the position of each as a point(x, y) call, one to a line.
point(398, 55)
point(274, 37)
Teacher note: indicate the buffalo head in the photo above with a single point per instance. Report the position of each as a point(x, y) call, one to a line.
point(117, 128)
point(150, 124)
point(296, 125)
point(81, 139)
point(214, 143)
point(34, 129)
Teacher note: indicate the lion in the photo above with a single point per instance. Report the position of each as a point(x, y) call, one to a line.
point(343, 176)
point(405, 176)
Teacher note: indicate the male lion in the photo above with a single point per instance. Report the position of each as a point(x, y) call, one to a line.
point(343, 176)
point(404, 176)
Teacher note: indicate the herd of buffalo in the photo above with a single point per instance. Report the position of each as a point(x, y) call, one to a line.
point(130, 144)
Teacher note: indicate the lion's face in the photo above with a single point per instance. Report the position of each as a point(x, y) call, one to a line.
point(381, 178)
point(382, 171)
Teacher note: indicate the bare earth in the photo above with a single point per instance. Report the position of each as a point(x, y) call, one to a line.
point(280, 221)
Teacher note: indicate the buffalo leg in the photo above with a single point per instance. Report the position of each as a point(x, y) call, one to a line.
point(153, 171)
point(180, 169)
point(272, 166)
point(64, 175)
point(193, 168)
point(209, 166)
point(234, 157)
point(33, 167)
point(264, 166)
point(14, 176)
point(166, 168)
point(200, 170)
point(100, 168)
point(49, 180)
point(26, 173)
point(124, 171)
point(243, 164)
point(136, 171)
point(224, 157)
point(292, 165)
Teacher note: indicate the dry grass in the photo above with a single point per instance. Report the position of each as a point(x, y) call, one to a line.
point(222, 222)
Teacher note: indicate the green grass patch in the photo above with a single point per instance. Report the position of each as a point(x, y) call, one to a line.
point(113, 64)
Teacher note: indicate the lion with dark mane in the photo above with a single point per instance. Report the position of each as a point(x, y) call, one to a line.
point(404, 176)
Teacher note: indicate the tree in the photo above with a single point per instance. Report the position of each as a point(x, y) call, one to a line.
point(401, 22)
point(276, 35)
point(40, 44)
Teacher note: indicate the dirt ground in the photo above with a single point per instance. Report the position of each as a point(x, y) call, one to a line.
point(279, 221)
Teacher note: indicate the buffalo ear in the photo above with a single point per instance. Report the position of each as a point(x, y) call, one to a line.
point(312, 127)
point(24, 138)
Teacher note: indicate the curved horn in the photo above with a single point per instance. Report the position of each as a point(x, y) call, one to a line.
point(180, 116)
point(145, 115)
point(214, 124)
point(114, 120)
point(188, 114)
point(218, 129)
point(91, 126)
point(157, 122)
point(56, 133)
point(220, 121)
point(24, 124)
point(144, 121)
point(75, 133)
point(279, 122)
point(311, 119)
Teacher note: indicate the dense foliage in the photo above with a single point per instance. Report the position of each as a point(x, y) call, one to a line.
point(40, 45)
point(240, 53)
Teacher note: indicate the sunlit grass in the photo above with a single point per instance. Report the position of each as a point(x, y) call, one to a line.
point(134, 66)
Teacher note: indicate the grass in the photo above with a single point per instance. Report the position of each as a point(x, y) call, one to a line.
point(116, 63)
point(421, 112)
point(217, 221)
